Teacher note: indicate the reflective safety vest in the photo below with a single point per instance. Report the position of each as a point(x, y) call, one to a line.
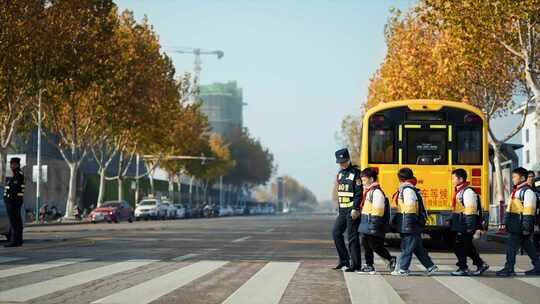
point(465, 215)
point(408, 217)
point(14, 189)
point(375, 215)
point(520, 214)
point(348, 183)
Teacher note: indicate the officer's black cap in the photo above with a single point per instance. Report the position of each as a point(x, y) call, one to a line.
point(15, 160)
point(342, 156)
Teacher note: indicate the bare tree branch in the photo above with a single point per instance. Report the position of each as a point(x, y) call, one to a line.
point(511, 49)
point(520, 125)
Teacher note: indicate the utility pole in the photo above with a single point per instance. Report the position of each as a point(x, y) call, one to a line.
point(137, 180)
point(38, 181)
point(221, 191)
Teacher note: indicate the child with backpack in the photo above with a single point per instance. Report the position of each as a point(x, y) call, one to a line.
point(410, 219)
point(519, 220)
point(466, 219)
point(375, 221)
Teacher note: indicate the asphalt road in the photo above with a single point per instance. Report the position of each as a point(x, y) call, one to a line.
point(273, 259)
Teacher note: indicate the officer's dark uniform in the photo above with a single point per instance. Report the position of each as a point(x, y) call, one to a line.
point(349, 188)
point(13, 198)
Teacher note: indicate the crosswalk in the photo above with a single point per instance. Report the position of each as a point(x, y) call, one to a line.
point(268, 284)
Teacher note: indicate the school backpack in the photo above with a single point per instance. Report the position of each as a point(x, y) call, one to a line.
point(386, 216)
point(422, 212)
point(537, 211)
point(480, 223)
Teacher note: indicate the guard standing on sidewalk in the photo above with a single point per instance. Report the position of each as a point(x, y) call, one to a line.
point(349, 191)
point(13, 198)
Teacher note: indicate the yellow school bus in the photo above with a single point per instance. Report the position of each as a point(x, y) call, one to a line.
point(432, 137)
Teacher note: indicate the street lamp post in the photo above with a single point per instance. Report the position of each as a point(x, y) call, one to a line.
point(221, 191)
point(137, 180)
point(38, 180)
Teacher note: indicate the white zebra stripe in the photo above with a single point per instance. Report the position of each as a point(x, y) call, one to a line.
point(32, 291)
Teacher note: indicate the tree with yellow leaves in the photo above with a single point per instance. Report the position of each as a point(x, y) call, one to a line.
point(509, 24)
point(512, 28)
point(220, 164)
point(141, 108)
point(75, 72)
point(427, 61)
point(19, 21)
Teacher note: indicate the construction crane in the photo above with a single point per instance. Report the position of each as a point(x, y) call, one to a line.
point(197, 52)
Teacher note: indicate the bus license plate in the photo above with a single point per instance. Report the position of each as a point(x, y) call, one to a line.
point(432, 220)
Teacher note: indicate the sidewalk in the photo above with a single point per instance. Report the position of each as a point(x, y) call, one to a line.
point(57, 223)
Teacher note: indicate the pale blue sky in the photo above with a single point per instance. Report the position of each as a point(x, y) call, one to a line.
point(303, 65)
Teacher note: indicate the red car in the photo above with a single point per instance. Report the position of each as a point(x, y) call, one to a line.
point(113, 211)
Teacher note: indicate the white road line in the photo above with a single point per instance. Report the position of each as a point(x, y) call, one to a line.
point(185, 257)
point(37, 267)
point(32, 291)
point(266, 286)
point(370, 289)
point(534, 281)
point(444, 268)
point(473, 291)
point(243, 239)
point(6, 259)
point(211, 249)
point(270, 230)
point(151, 290)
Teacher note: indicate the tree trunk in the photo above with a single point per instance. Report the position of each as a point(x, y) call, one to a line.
point(3, 165)
point(171, 187)
point(533, 82)
point(151, 180)
point(179, 185)
point(102, 185)
point(120, 188)
point(72, 193)
point(499, 185)
point(191, 192)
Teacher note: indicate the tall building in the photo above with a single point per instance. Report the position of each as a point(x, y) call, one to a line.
point(530, 137)
point(222, 103)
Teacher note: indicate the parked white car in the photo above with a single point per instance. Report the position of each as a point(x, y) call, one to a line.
point(171, 210)
point(226, 211)
point(180, 211)
point(150, 208)
point(239, 211)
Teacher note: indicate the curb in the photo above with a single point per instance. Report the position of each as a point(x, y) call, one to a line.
point(56, 224)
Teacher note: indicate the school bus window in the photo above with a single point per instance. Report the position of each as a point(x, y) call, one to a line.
point(425, 116)
point(381, 146)
point(426, 147)
point(468, 146)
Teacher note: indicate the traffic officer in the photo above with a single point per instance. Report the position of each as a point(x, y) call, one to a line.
point(13, 198)
point(466, 218)
point(349, 191)
point(519, 221)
